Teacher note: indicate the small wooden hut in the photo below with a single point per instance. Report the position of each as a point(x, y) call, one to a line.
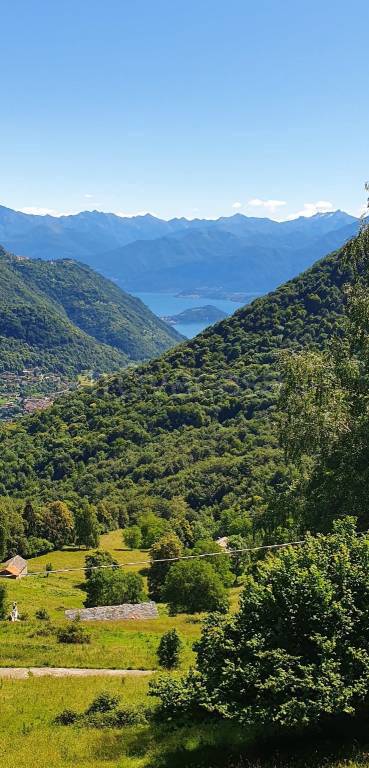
point(15, 568)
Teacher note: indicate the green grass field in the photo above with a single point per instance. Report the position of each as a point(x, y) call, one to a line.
point(123, 644)
point(28, 736)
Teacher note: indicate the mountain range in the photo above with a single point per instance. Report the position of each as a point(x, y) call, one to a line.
point(61, 316)
point(145, 253)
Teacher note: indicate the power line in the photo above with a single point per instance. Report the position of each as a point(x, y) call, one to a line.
point(230, 553)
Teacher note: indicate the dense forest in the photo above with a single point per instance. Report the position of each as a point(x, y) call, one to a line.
point(195, 430)
point(63, 317)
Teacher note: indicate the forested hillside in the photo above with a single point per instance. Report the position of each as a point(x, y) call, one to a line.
point(61, 316)
point(195, 427)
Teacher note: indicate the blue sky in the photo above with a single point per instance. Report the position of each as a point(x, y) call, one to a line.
point(184, 107)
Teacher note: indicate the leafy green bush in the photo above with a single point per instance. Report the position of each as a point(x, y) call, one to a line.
point(103, 712)
point(114, 588)
point(104, 702)
point(169, 649)
point(296, 653)
point(98, 558)
point(74, 633)
point(66, 717)
point(42, 614)
point(46, 630)
point(116, 718)
point(36, 546)
point(193, 586)
point(178, 697)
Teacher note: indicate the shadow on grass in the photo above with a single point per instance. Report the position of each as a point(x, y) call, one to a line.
point(224, 745)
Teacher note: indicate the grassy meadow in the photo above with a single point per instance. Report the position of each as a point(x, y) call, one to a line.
point(29, 737)
point(122, 644)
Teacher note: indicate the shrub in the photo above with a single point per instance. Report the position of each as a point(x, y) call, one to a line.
point(67, 717)
point(104, 702)
point(42, 614)
point(74, 633)
point(296, 653)
point(192, 586)
point(114, 588)
point(36, 546)
point(45, 631)
point(178, 697)
point(98, 558)
point(169, 649)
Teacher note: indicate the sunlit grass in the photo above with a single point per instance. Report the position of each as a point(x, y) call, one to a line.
point(119, 644)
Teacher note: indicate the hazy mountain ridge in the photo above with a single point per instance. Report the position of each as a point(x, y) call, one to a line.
point(150, 254)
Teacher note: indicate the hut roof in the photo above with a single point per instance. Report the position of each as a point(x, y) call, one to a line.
point(15, 566)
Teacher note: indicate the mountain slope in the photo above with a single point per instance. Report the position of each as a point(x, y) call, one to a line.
point(64, 317)
point(99, 307)
point(196, 423)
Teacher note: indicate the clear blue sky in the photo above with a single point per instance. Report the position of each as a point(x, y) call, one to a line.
point(184, 107)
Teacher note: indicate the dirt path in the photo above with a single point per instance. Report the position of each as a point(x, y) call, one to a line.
point(22, 673)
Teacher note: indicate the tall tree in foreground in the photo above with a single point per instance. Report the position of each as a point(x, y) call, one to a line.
point(325, 412)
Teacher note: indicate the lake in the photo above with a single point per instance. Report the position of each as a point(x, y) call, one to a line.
point(164, 304)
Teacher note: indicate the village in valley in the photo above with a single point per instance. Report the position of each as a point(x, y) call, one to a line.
point(29, 390)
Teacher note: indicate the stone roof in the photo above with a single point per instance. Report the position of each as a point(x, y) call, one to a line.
point(15, 566)
point(139, 611)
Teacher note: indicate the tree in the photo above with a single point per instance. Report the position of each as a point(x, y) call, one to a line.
point(31, 519)
point(58, 524)
point(152, 528)
point(324, 413)
point(4, 534)
point(97, 559)
point(86, 525)
point(220, 561)
point(132, 537)
point(192, 586)
point(169, 546)
point(296, 652)
point(169, 649)
point(113, 587)
point(239, 560)
point(2, 601)
point(104, 513)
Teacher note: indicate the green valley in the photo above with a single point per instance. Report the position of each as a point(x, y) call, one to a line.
point(59, 319)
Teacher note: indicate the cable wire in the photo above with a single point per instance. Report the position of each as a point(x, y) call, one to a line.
point(230, 553)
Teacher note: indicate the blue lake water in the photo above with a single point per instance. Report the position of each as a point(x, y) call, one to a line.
point(164, 304)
